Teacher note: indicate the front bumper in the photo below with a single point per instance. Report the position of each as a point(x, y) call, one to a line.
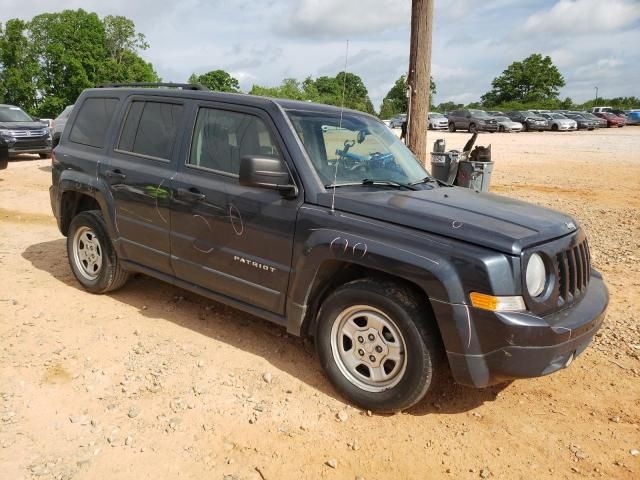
point(537, 127)
point(522, 345)
point(567, 127)
point(30, 145)
point(488, 127)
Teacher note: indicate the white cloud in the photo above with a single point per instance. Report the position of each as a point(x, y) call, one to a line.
point(346, 19)
point(584, 17)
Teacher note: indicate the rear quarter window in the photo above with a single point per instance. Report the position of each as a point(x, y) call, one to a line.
point(92, 122)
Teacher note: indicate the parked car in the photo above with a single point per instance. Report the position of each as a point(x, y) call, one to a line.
point(58, 124)
point(611, 119)
point(472, 120)
point(529, 120)
point(398, 120)
point(602, 123)
point(22, 133)
point(437, 121)
point(505, 124)
point(560, 123)
point(633, 117)
point(615, 111)
point(399, 278)
point(583, 122)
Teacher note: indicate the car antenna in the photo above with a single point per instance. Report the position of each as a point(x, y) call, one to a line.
point(344, 88)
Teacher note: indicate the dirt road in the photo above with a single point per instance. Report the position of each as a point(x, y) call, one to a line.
point(154, 382)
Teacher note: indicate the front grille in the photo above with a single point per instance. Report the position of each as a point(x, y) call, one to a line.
point(574, 271)
point(27, 133)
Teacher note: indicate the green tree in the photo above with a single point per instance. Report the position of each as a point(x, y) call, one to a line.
point(534, 79)
point(396, 100)
point(18, 67)
point(323, 89)
point(217, 80)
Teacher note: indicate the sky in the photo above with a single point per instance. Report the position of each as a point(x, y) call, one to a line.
point(594, 43)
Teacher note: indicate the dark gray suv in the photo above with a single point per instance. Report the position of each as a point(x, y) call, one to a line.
point(472, 120)
point(322, 221)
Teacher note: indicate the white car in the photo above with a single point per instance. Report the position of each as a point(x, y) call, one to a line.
point(505, 124)
point(560, 123)
point(437, 121)
point(398, 120)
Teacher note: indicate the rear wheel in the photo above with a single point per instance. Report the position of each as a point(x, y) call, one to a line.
point(93, 260)
point(378, 344)
point(452, 127)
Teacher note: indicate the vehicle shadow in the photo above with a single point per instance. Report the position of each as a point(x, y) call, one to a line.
point(296, 356)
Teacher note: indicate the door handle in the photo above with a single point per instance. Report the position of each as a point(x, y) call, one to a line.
point(193, 195)
point(115, 174)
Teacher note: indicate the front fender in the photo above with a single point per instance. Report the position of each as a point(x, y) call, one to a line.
point(446, 270)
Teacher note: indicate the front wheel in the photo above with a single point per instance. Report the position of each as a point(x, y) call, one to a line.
point(473, 128)
point(93, 260)
point(378, 344)
point(452, 127)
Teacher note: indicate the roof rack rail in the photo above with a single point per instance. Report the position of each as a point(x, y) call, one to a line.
point(183, 86)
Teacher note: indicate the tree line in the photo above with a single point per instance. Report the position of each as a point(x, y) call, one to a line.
point(46, 62)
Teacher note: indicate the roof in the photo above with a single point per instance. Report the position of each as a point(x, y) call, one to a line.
point(239, 98)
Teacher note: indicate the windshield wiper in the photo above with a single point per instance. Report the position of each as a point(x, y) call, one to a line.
point(368, 181)
point(431, 180)
point(389, 183)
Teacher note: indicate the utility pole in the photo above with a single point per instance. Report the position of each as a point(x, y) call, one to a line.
point(596, 104)
point(419, 78)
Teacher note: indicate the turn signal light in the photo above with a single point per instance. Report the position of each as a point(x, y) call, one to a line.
point(496, 304)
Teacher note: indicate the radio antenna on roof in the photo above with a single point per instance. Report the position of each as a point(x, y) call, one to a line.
point(344, 88)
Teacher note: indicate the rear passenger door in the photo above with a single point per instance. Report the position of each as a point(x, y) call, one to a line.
point(233, 240)
point(139, 173)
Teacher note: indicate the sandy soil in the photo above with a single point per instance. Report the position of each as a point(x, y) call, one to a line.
point(154, 382)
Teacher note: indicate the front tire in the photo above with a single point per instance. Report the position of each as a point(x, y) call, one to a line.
point(452, 127)
point(378, 344)
point(92, 257)
point(473, 128)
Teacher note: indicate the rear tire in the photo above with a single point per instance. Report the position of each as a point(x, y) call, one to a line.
point(92, 257)
point(378, 344)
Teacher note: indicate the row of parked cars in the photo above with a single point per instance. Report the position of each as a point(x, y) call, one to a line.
point(475, 120)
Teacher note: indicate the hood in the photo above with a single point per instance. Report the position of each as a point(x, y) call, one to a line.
point(22, 125)
point(485, 219)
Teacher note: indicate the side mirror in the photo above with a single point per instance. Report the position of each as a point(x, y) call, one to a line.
point(266, 172)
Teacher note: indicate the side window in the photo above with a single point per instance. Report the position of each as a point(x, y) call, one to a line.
point(221, 138)
point(150, 129)
point(92, 121)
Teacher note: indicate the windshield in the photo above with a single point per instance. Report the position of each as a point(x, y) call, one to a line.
point(480, 114)
point(436, 115)
point(13, 114)
point(502, 119)
point(363, 149)
point(556, 115)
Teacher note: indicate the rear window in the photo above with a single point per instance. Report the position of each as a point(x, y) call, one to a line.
point(92, 122)
point(150, 129)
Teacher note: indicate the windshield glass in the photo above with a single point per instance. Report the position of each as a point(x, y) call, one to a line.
point(556, 115)
point(13, 114)
point(502, 119)
point(480, 114)
point(363, 149)
point(436, 115)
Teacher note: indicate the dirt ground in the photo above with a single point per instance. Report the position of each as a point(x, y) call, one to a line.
point(154, 382)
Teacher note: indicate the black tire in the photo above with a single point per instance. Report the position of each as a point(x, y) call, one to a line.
point(423, 360)
point(44, 155)
point(473, 128)
point(452, 127)
point(526, 127)
point(554, 127)
point(55, 141)
point(110, 275)
point(501, 128)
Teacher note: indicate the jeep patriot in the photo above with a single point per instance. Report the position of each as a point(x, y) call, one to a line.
point(322, 221)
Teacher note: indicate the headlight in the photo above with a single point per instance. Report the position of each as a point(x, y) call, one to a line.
point(536, 276)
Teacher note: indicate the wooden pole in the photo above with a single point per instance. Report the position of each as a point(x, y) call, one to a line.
point(419, 78)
